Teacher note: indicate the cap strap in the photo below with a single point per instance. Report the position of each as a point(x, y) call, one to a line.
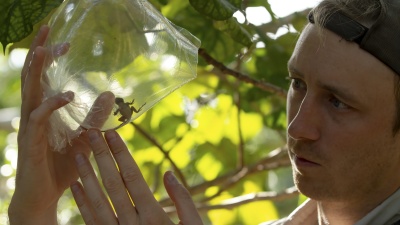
point(343, 26)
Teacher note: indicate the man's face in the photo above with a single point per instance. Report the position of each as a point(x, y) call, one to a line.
point(341, 109)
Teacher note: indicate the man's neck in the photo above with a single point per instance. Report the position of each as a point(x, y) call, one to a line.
point(349, 212)
point(345, 213)
point(336, 213)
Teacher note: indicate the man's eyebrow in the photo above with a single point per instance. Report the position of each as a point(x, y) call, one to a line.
point(346, 95)
point(293, 70)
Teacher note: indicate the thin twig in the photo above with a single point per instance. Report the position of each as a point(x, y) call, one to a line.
point(243, 77)
point(237, 100)
point(240, 155)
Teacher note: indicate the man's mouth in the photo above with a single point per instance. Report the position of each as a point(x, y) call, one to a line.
point(303, 162)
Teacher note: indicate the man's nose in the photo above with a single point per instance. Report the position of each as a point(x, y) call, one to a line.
point(304, 121)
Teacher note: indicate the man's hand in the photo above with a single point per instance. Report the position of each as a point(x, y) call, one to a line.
point(131, 198)
point(42, 173)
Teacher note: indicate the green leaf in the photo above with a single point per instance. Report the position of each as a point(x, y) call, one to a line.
point(209, 167)
point(267, 207)
point(299, 21)
point(173, 8)
point(26, 42)
point(217, 9)
point(272, 66)
point(217, 43)
point(17, 17)
point(158, 4)
point(235, 30)
point(264, 3)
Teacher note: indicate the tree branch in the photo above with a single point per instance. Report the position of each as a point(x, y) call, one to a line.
point(274, 25)
point(276, 159)
point(243, 77)
point(244, 199)
point(232, 182)
point(150, 138)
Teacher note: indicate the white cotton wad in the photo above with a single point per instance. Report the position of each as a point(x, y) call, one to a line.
point(119, 57)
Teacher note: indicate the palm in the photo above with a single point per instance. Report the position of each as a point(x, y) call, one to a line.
point(57, 172)
point(62, 167)
point(62, 171)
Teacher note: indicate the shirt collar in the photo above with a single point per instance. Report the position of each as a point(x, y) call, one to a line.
point(387, 213)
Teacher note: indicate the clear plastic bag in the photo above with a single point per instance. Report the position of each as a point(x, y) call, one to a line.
point(119, 57)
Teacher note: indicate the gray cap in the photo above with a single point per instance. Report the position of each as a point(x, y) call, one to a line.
point(381, 40)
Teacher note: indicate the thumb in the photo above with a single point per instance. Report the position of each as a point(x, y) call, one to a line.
point(36, 127)
point(184, 204)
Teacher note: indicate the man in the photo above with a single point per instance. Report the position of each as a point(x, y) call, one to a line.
point(343, 113)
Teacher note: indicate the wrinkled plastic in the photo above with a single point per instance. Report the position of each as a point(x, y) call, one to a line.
point(119, 57)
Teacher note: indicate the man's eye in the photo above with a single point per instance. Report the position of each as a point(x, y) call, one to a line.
point(297, 84)
point(338, 104)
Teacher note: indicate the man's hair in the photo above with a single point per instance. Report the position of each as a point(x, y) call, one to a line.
point(366, 12)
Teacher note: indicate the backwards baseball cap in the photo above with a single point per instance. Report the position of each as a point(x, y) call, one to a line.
point(382, 39)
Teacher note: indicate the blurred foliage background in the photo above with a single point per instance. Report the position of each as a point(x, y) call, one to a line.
point(223, 134)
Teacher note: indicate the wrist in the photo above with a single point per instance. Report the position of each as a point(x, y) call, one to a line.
point(19, 216)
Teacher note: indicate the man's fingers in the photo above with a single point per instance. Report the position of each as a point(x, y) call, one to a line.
point(96, 117)
point(99, 202)
point(83, 204)
point(130, 173)
point(100, 111)
point(56, 51)
point(31, 91)
point(38, 41)
point(184, 204)
point(37, 120)
point(35, 152)
point(52, 53)
point(111, 178)
point(37, 59)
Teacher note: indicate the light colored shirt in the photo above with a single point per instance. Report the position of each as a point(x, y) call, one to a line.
point(387, 213)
